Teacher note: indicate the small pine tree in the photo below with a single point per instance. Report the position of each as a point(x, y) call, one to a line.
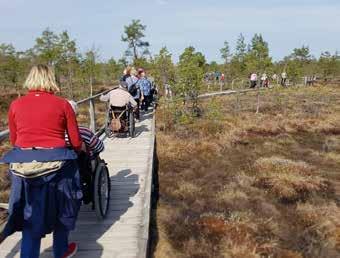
point(190, 72)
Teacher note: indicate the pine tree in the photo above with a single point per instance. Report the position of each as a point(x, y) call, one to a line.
point(47, 47)
point(258, 59)
point(225, 52)
point(191, 71)
point(165, 69)
point(68, 60)
point(133, 35)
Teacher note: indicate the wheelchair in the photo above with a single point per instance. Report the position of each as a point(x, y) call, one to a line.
point(95, 183)
point(127, 120)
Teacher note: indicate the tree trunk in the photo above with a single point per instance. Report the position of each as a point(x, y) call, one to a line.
point(70, 86)
point(135, 54)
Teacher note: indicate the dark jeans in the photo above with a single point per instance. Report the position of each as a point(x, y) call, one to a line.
point(283, 81)
point(146, 102)
point(30, 245)
point(253, 84)
point(137, 115)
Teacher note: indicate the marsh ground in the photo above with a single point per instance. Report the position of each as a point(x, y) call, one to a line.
point(233, 183)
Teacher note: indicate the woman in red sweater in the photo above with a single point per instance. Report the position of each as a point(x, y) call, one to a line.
point(45, 191)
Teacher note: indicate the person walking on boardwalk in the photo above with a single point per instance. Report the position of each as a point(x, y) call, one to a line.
point(283, 78)
point(275, 79)
point(45, 184)
point(134, 90)
point(168, 90)
point(253, 80)
point(264, 80)
point(145, 86)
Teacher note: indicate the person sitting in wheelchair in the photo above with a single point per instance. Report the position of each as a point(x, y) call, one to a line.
point(87, 158)
point(120, 99)
point(93, 144)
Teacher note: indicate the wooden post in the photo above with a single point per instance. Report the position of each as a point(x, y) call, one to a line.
point(92, 116)
point(238, 101)
point(91, 86)
point(258, 100)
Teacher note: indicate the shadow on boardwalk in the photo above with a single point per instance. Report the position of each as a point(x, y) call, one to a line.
point(90, 233)
point(153, 231)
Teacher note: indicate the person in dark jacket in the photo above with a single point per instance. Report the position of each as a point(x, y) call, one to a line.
point(45, 184)
point(145, 86)
point(134, 90)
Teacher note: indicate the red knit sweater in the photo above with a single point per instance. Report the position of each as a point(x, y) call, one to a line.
point(40, 119)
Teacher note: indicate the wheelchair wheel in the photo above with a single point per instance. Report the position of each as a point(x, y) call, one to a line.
point(102, 188)
point(131, 124)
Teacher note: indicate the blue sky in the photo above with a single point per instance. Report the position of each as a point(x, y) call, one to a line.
point(176, 23)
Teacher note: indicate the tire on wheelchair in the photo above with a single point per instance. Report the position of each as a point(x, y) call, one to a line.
point(131, 124)
point(102, 188)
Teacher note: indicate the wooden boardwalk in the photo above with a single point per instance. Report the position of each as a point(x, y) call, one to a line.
point(124, 234)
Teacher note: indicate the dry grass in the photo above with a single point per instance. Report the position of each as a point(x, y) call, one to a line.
point(4, 180)
point(289, 180)
point(319, 229)
point(236, 184)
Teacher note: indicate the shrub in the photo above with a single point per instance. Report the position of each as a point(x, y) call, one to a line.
point(289, 180)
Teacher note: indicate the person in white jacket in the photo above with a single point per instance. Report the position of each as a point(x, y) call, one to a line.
point(119, 97)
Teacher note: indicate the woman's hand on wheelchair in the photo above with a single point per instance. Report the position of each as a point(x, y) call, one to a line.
point(84, 148)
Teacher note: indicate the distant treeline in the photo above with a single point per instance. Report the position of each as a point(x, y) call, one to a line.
point(254, 57)
point(77, 72)
point(74, 71)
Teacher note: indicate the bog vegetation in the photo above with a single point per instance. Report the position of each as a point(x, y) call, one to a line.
point(238, 184)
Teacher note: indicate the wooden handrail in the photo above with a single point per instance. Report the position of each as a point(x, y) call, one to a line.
point(4, 134)
point(94, 96)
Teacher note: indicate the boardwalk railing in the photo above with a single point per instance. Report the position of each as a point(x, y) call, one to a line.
point(4, 134)
point(92, 115)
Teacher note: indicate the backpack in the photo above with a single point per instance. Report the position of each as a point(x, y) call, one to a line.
point(124, 77)
point(116, 125)
point(133, 89)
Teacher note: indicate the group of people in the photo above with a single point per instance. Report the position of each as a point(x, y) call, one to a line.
point(216, 76)
point(309, 80)
point(46, 190)
point(264, 79)
point(140, 88)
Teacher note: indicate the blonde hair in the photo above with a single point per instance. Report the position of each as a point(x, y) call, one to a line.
point(41, 77)
point(133, 71)
point(128, 69)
